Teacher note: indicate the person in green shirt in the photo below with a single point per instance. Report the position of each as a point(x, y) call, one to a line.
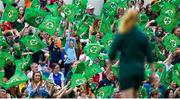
point(135, 49)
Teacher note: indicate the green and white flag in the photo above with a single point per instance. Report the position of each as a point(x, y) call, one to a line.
point(166, 22)
point(34, 16)
point(23, 63)
point(33, 43)
point(5, 58)
point(8, 1)
point(77, 79)
point(92, 50)
point(35, 4)
point(18, 78)
point(49, 25)
point(168, 9)
point(123, 3)
point(70, 11)
point(110, 8)
point(156, 7)
point(91, 71)
point(10, 14)
point(171, 42)
point(3, 41)
point(107, 40)
point(54, 9)
point(105, 26)
point(104, 92)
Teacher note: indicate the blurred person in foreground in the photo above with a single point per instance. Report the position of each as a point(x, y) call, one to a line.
point(134, 49)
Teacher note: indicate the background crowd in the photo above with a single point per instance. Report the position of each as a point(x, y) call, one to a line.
point(50, 49)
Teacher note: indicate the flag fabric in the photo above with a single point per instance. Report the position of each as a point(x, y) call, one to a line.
point(8, 1)
point(115, 70)
point(110, 8)
point(35, 3)
point(166, 22)
point(10, 14)
point(81, 67)
point(105, 26)
point(18, 78)
point(77, 79)
point(91, 71)
point(54, 9)
point(49, 25)
point(104, 92)
point(3, 41)
point(149, 32)
point(33, 43)
point(176, 2)
point(34, 16)
point(143, 18)
point(159, 65)
point(2, 75)
point(171, 42)
point(168, 9)
point(23, 63)
point(107, 40)
point(81, 3)
point(143, 92)
point(123, 3)
point(156, 7)
point(82, 28)
point(70, 11)
point(5, 58)
point(176, 77)
point(92, 50)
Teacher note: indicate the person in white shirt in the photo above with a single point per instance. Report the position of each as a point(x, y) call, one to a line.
point(34, 68)
point(57, 77)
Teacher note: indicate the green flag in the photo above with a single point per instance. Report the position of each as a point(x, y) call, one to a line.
point(104, 92)
point(5, 58)
point(49, 25)
point(33, 43)
point(149, 32)
point(107, 40)
point(10, 14)
point(34, 16)
point(105, 26)
point(8, 1)
point(77, 79)
point(166, 22)
point(91, 71)
point(143, 19)
point(35, 3)
point(92, 39)
point(2, 75)
point(176, 77)
point(143, 93)
point(3, 41)
point(80, 68)
point(171, 42)
point(123, 3)
point(70, 11)
point(168, 9)
point(54, 9)
point(176, 2)
point(156, 7)
point(115, 70)
point(110, 8)
point(23, 63)
point(18, 78)
point(92, 50)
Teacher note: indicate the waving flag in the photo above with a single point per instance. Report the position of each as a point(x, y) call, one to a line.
point(104, 92)
point(77, 79)
point(8, 1)
point(107, 40)
point(49, 25)
point(34, 16)
point(70, 11)
point(33, 43)
point(23, 63)
point(10, 14)
point(5, 58)
point(54, 9)
point(171, 42)
point(168, 9)
point(36, 3)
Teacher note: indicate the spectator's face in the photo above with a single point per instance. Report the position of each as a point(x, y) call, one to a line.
point(35, 67)
point(56, 69)
point(37, 77)
point(171, 94)
point(21, 10)
point(177, 32)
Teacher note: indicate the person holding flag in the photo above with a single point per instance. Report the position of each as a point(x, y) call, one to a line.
point(135, 50)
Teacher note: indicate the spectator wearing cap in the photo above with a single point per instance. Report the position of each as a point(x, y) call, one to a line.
point(90, 9)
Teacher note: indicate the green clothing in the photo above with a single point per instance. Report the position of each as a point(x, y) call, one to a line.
point(134, 48)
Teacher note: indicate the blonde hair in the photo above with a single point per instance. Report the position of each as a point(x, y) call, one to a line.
point(128, 21)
